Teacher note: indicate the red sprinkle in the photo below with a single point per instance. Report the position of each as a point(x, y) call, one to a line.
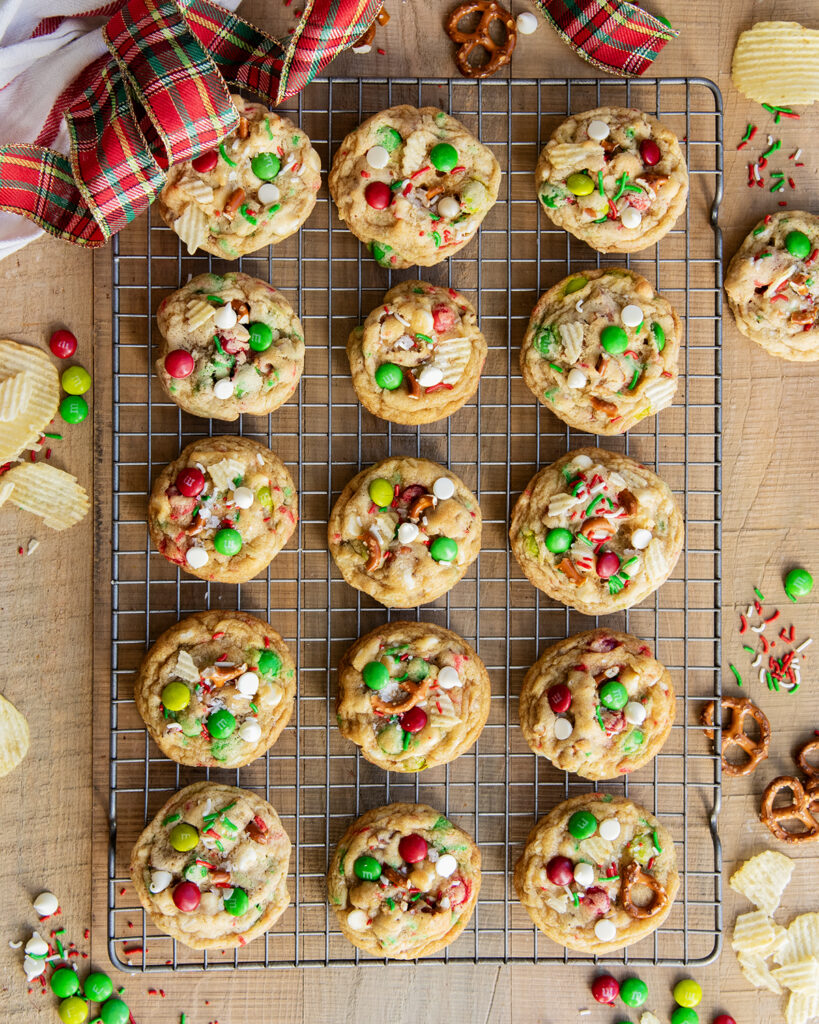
point(743, 624)
point(86, 934)
point(774, 617)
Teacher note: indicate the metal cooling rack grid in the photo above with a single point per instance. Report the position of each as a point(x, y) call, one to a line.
point(497, 791)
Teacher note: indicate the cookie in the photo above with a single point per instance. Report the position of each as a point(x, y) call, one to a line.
point(404, 881)
point(773, 285)
point(216, 689)
point(597, 531)
point(405, 531)
point(598, 873)
point(413, 185)
point(412, 696)
point(613, 177)
point(601, 350)
point(419, 355)
point(256, 189)
point(231, 345)
point(223, 510)
point(597, 704)
point(211, 868)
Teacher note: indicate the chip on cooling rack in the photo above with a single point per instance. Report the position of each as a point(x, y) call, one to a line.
point(14, 737)
point(777, 62)
point(757, 972)
point(801, 940)
point(24, 428)
point(763, 879)
point(756, 933)
point(48, 492)
point(801, 1007)
point(800, 975)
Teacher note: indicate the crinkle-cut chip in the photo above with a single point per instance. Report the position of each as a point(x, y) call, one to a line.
point(14, 395)
point(196, 189)
point(48, 492)
point(660, 392)
point(451, 356)
point(192, 228)
point(649, 1018)
point(655, 561)
point(224, 472)
point(568, 157)
point(802, 1007)
point(560, 904)
point(802, 940)
point(763, 879)
point(198, 312)
point(753, 932)
point(596, 849)
point(186, 668)
point(14, 737)
point(800, 975)
point(560, 504)
point(24, 430)
point(757, 972)
point(6, 488)
point(777, 62)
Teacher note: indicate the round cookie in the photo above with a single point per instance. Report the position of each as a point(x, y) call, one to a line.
point(772, 285)
point(220, 879)
point(239, 510)
point(601, 350)
point(257, 188)
point(412, 695)
point(231, 344)
point(413, 185)
point(615, 702)
point(613, 177)
point(414, 547)
point(404, 881)
point(597, 531)
point(614, 907)
point(216, 689)
point(419, 355)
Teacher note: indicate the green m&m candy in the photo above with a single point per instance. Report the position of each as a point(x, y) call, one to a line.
point(64, 983)
point(381, 253)
point(381, 492)
point(367, 868)
point(98, 987)
point(580, 184)
point(375, 675)
point(559, 540)
point(614, 339)
point(73, 409)
point(633, 741)
point(665, 21)
point(221, 724)
point(633, 992)
point(175, 696)
point(582, 824)
point(265, 166)
point(685, 1015)
point(613, 695)
point(443, 549)
point(269, 663)
point(261, 336)
point(444, 157)
point(798, 244)
point(798, 583)
point(73, 1010)
point(388, 137)
point(76, 380)
point(114, 1012)
point(228, 542)
point(183, 837)
point(389, 376)
point(659, 335)
point(237, 903)
point(575, 285)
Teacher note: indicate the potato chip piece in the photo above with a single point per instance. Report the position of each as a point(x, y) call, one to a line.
point(596, 849)
point(800, 975)
point(649, 1018)
point(757, 972)
point(777, 62)
point(802, 940)
point(48, 492)
point(192, 228)
point(41, 405)
point(224, 472)
point(5, 491)
point(186, 668)
point(198, 312)
point(753, 933)
point(196, 189)
point(14, 395)
point(763, 879)
point(802, 1007)
point(14, 737)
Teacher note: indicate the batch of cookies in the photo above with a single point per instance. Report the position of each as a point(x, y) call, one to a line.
point(594, 530)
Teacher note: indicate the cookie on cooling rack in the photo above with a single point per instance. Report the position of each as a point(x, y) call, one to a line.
point(231, 345)
point(613, 177)
point(405, 531)
point(418, 356)
point(597, 531)
point(223, 510)
point(216, 689)
point(773, 285)
point(211, 868)
point(257, 188)
point(412, 695)
point(598, 873)
point(413, 185)
point(601, 350)
point(404, 881)
point(597, 704)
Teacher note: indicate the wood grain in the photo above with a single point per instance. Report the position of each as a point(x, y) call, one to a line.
point(55, 805)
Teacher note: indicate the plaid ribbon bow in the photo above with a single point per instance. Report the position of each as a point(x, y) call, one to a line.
point(159, 98)
point(614, 35)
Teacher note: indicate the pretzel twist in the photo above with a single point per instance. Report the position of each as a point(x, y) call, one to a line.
point(811, 770)
point(733, 734)
point(634, 875)
point(803, 807)
point(499, 53)
point(415, 692)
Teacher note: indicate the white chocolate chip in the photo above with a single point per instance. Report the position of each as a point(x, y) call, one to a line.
point(378, 157)
point(448, 677)
point(640, 539)
point(33, 968)
point(251, 731)
point(196, 557)
point(243, 496)
point(268, 193)
point(631, 315)
point(605, 930)
point(563, 728)
point(581, 462)
point(576, 378)
point(248, 684)
point(635, 713)
point(584, 874)
point(598, 130)
point(430, 376)
point(37, 945)
point(225, 317)
point(160, 880)
point(609, 829)
point(357, 920)
point(223, 389)
point(446, 865)
point(526, 23)
point(46, 904)
point(407, 532)
point(443, 488)
point(630, 218)
point(449, 207)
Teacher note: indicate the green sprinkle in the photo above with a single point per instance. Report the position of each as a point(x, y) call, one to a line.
point(776, 145)
point(600, 188)
point(441, 822)
point(576, 488)
point(296, 140)
point(247, 216)
point(759, 230)
point(436, 238)
point(390, 902)
point(794, 688)
point(748, 133)
point(60, 947)
point(576, 900)
point(215, 298)
point(734, 669)
point(600, 220)
point(637, 374)
point(54, 437)
point(599, 715)
point(225, 157)
point(554, 366)
point(341, 862)
point(416, 897)
point(583, 537)
point(759, 594)
point(230, 824)
point(592, 505)
point(426, 338)
point(219, 846)
point(273, 209)
point(254, 709)
point(772, 683)
point(656, 841)
point(764, 255)
point(616, 583)
point(611, 878)
point(171, 818)
point(407, 740)
point(218, 345)
point(750, 650)
point(621, 187)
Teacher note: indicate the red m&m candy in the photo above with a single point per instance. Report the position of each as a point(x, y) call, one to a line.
point(559, 697)
point(724, 1019)
point(206, 162)
point(63, 344)
point(605, 989)
point(190, 482)
point(378, 195)
point(650, 152)
point(413, 720)
point(186, 896)
point(607, 564)
point(179, 363)
point(560, 871)
point(413, 848)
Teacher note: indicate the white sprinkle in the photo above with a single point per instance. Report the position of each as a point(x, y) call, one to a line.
point(248, 684)
point(15, 945)
point(610, 827)
point(584, 874)
point(357, 920)
point(576, 379)
point(33, 544)
point(598, 130)
point(446, 866)
point(757, 175)
point(430, 376)
point(563, 728)
point(631, 315)
point(448, 677)
point(803, 645)
point(449, 207)
point(605, 930)
point(407, 532)
point(584, 1012)
point(243, 496)
point(46, 904)
point(251, 732)
point(749, 611)
point(630, 218)
point(225, 317)
point(770, 141)
point(762, 679)
point(443, 488)
point(526, 23)
point(758, 629)
point(758, 661)
point(797, 155)
point(640, 539)
point(196, 557)
point(378, 157)
point(579, 305)
point(635, 713)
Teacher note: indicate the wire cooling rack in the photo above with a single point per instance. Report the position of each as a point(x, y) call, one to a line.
point(496, 791)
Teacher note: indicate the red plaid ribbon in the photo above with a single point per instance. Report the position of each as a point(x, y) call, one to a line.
point(163, 97)
point(614, 35)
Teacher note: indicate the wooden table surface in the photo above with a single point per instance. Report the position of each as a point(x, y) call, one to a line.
point(55, 805)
